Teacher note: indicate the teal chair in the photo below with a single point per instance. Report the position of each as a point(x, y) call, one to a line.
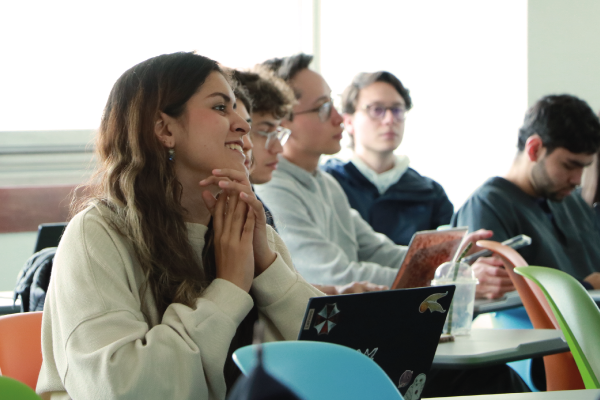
point(13, 389)
point(319, 370)
point(516, 318)
point(577, 315)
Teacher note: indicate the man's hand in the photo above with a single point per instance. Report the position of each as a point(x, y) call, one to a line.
point(354, 287)
point(494, 281)
point(360, 287)
point(593, 279)
point(473, 237)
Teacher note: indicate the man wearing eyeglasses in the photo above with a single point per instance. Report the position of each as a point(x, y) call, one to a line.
point(273, 101)
point(393, 198)
point(329, 242)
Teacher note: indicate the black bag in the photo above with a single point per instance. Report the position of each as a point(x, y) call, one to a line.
point(33, 280)
point(260, 385)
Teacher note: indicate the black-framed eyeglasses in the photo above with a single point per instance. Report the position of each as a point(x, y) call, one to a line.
point(280, 133)
point(378, 111)
point(324, 111)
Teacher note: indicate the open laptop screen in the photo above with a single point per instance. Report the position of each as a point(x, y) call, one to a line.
point(427, 250)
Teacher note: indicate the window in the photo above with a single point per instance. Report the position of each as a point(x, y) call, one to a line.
point(465, 63)
point(61, 59)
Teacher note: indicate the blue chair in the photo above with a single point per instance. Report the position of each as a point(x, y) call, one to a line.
point(516, 318)
point(318, 370)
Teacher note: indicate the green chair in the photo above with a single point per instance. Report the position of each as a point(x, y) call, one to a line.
point(577, 315)
point(13, 389)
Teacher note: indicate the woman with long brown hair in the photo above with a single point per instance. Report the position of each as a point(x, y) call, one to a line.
point(168, 262)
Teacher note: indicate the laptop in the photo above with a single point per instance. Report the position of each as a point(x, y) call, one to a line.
point(49, 235)
point(427, 250)
point(398, 329)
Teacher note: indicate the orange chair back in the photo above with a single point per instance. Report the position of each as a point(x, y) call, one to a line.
point(561, 370)
point(21, 346)
point(539, 311)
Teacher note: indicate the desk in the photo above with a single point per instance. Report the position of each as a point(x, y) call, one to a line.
point(511, 300)
point(486, 347)
point(6, 304)
point(506, 302)
point(590, 394)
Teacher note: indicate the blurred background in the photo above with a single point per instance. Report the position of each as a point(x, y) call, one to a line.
point(472, 67)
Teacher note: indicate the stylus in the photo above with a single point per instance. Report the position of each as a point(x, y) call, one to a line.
point(516, 243)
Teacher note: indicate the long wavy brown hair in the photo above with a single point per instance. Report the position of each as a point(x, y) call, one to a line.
point(136, 180)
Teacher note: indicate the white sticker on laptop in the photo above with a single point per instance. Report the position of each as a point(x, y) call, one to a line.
point(327, 319)
point(309, 318)
point(431, 304)
point(369, 353)
point(415, 390)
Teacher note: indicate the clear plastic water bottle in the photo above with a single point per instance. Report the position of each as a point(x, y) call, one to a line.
point(460, 315)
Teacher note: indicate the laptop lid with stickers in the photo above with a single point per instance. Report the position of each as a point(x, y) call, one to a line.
point(398, 329)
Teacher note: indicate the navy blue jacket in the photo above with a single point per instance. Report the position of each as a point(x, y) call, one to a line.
point(414, 203)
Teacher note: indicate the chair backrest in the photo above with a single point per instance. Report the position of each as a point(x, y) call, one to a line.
point(577, 314)
point(319, 370)
point(21, 347)
point(562, 372)
point(533, 298)
point(13, 389)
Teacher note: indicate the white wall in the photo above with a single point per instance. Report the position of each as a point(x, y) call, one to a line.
point(564, 49)
point(15, 249)
point(60, 58)
point(465, 63)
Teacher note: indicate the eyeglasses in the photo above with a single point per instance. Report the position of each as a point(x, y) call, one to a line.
point(324, 111)
point(280, 133)
point(377, 111)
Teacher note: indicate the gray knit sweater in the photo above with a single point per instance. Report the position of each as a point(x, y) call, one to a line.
point(330, 243)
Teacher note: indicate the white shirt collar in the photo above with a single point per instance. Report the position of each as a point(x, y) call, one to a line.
point(386, 179)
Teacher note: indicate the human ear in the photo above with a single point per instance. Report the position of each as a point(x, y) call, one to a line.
point(163, 130)
point(534, 147)
point(348, 123)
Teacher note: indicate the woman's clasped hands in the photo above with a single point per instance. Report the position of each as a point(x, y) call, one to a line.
point(242, 249)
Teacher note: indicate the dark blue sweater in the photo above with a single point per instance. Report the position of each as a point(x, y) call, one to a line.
point(412, 204)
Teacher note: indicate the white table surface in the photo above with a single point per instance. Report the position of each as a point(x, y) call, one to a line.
point(591, 394)
point(485, 347)
point(511, 300)
point(506, 302)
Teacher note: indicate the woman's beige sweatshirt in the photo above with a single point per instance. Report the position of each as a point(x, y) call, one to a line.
point(97, 344)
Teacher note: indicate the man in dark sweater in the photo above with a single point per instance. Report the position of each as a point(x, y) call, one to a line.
point(392, 197)
point(536, 197)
